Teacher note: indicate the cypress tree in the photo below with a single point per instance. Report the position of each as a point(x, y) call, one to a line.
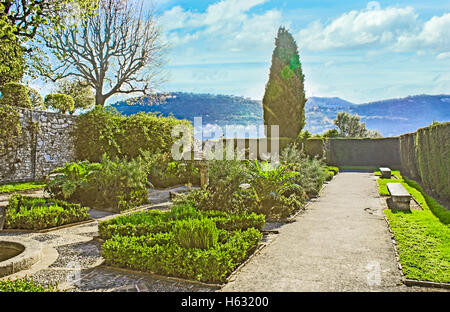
point(284, 99)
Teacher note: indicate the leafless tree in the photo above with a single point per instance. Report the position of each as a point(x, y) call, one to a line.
point(117, 51)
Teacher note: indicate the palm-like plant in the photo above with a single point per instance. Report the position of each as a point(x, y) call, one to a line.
point(71, 177)
point(273, 187)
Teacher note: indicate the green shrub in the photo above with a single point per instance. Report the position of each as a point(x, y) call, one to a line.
point(96, 133)
point(163, 172)
point(15, 94)
point(335, 170)
point(275, 189)
point(62, 102)
point(25, 285)
point(31, 213)
point(196, 233)
point(157, 253)
point(107, 185)
point(105, 130)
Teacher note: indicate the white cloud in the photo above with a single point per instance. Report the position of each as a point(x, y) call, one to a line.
point(357, 29)
point(392, 28)
point(225, 24)
point(443, 56)
point(434, 36)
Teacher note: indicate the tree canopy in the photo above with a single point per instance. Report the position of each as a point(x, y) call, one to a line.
point(351, 126)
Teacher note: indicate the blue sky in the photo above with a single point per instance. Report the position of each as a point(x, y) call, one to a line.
point(358, 50)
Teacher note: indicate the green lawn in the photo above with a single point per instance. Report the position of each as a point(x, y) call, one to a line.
point(423, 244)
point(422, 236)
point(20, 186)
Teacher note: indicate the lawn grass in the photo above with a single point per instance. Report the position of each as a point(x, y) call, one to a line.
point(422, 236)
point(20, 186)
point(358, 168)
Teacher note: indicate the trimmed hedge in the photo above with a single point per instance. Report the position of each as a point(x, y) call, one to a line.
point(31, 213)
point(105, 130)
point(425, 156)
point(433, 158)
point(62, 102)
point(183, 242)
point(151, 222)
point(159, 253)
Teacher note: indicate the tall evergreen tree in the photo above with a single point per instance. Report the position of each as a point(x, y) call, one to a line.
point(284, 99)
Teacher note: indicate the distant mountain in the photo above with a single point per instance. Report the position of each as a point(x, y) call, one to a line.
point(214, 109)
point(389, 117)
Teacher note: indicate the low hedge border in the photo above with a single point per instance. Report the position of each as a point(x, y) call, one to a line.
point(30, 213)
point(158, 253)
point(126, 226)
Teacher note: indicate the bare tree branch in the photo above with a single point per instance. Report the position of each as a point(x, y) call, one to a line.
point(116, 51)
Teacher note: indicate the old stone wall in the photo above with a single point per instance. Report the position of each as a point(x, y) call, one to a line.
point(44, 144)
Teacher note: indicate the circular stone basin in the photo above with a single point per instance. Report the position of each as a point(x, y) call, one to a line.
point(17, 254)
point(9, 250)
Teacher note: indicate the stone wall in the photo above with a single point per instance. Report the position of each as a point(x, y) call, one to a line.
point(363, 152)
point(45, 144)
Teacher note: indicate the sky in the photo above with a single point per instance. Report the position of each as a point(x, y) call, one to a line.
point(360, 51)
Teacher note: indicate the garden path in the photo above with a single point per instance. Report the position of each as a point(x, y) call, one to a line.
point(341, 242)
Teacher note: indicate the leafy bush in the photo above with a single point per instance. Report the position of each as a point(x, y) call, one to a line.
point(106, 131)
point(275, 189)
point(335, 170)
point(196, 233)
point(163, 172)
point(62, 102)
point(159, 253)
point(79, 90)
point(107, 185)
point(31, 213)
point(15, 94)
point(25, 285)
point(312, 172)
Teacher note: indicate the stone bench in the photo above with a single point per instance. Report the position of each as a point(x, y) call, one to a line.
point(385, 173)
point(400, 196)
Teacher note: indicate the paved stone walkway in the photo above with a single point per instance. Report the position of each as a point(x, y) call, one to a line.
point(340, 242)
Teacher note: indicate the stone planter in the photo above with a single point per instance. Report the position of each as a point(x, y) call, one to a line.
point(2, 217)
